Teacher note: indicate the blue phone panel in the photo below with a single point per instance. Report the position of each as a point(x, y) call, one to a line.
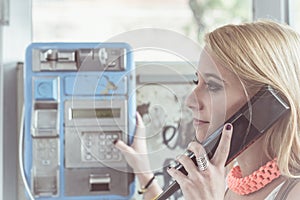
point(79, 98)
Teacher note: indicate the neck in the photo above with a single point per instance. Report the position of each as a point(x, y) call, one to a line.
point(252, 158)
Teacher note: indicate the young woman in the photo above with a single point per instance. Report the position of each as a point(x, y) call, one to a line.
point(236, 62)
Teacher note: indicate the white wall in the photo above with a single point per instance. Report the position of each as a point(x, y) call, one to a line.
point(1, 117)
point(13, 40)
point(17, 35)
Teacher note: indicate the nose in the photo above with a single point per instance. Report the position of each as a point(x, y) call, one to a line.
point(193, 100)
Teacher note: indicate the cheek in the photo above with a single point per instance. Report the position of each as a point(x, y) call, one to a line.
point(234, 106)
point(217, 110)
point(218, 114)
point(218, 107)
point(223, 108)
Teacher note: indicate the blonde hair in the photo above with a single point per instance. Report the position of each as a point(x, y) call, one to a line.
point(260, 53)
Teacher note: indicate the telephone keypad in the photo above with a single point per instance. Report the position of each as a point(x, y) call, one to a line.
point(99, 146)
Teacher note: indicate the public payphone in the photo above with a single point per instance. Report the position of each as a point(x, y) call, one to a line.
point(79, 98)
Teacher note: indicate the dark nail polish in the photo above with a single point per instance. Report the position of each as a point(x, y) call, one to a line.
point(115, 141)
point(228, 127)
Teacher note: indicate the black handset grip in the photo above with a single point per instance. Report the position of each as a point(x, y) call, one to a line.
point(249, 124)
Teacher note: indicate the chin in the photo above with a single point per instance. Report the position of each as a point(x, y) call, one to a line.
point(201, 135)
point(202, 132)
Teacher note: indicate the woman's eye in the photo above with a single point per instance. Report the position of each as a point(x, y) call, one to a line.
point(214, 87)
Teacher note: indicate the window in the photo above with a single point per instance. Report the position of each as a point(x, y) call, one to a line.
point(98, 20)
point(294, 17)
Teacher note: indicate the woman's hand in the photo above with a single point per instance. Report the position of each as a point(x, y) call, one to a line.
point(207, 184)
point(137, 154)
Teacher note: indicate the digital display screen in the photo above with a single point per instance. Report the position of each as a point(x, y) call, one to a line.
point(96, 113)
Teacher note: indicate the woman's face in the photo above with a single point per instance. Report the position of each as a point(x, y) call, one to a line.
point(217, 96)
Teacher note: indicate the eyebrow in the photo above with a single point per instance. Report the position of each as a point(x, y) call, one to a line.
point(213, 76)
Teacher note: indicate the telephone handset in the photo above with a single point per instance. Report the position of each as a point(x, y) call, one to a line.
point(249, 123)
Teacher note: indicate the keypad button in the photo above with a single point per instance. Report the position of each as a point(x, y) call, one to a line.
point(88, 156)
point(102, 136)
point(108, 156)
point(109, 137)
point(115, 136)
point(89, 143)
point(101, 150)
point(115, 156)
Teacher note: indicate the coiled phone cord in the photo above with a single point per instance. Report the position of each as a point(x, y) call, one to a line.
point(21, 164)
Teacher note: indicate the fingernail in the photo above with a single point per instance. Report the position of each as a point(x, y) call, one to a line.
point(228, 127)
point(115, 141)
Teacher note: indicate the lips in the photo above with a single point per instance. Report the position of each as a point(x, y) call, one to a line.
point(199, 122)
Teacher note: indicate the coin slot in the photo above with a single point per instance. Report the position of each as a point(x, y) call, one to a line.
point(99, 183)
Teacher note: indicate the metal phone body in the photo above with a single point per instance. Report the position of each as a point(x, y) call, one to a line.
point(79, 98)
point(249, 123)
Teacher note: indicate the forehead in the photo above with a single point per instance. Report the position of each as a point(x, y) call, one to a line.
point(210, 65)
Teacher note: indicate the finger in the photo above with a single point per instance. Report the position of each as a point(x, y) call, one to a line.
point(140, 127)
point(188, 164)
point(124, 148)
point(139, 120)
point(222, 151)
point(140, 135)
point(197, 149)
point(177, 175)
point(200, 153)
